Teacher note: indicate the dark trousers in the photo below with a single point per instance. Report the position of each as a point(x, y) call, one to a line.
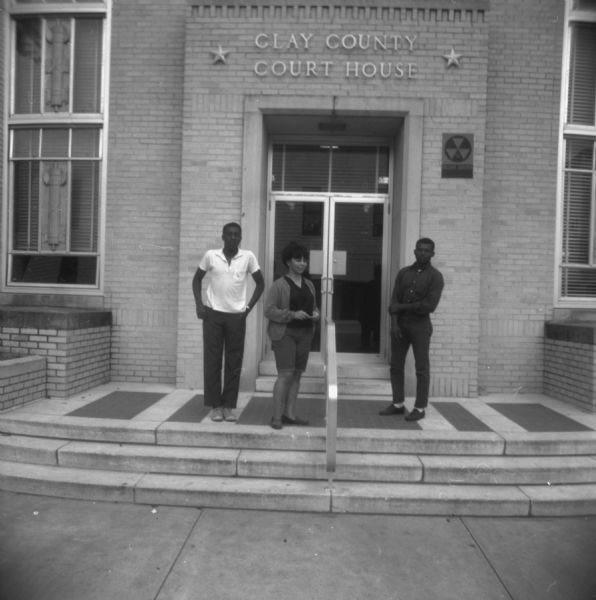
point(417, 335)
point(223, 340)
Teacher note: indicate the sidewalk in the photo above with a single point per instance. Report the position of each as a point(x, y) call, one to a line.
point(55, 549)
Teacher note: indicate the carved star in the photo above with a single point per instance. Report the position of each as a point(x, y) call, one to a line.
point(219, 56)
point(452, 59)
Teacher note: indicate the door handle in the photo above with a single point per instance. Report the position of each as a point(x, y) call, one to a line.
point(327, 285)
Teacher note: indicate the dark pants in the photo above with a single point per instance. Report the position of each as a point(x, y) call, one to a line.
point(416, 334)
point(223, 340)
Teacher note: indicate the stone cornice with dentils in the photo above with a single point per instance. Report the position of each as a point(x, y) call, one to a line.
point(363, 10)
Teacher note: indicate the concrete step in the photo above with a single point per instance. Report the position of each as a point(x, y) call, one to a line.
point(223, 435)
point(284, 464)
point(366, 367)
point(365, 376)
point(299, 495)
point(431, 469)
point(351, 386)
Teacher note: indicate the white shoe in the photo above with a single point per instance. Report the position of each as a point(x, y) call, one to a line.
point(217, 414)
point(228, 415)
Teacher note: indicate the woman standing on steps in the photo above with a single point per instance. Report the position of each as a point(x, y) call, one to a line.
point(291, 308)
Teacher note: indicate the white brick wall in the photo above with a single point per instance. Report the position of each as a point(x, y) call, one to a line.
point(175, 171)
point(570, 372)
point(22, 380)
point(75, 360)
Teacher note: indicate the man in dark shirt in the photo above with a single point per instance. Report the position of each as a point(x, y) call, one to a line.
point(416, 294)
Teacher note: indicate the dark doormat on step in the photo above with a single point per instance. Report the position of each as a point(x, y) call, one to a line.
point(537, 417)
point(364, 414)
point(117, 405)
point(259, 411)
point(356, 414)
point(194, 411)
point(461, 418)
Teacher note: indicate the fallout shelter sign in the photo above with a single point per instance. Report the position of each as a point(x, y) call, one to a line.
point(458, 156)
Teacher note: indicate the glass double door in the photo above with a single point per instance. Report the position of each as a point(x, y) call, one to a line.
point(346, 237)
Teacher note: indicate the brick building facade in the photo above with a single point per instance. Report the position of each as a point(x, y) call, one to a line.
point(196, 95)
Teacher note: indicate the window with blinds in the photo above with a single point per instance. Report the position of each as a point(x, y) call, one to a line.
point(55, 147)
point(578, 206)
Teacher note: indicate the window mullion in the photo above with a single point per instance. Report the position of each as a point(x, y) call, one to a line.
point(582, 16)
point(67, 207)
point(73, 33)
point(30, 211)
point(68, 202)
point(42, 73)
point(593, 218)
point(330, 177)
point(40, 205)
point(579, 130)
point(20, 8)
point(283, 168)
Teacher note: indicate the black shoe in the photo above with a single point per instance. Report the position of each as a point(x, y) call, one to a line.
point(275, 424)
point(294, 421)
point(392, 410)
point(416, 415)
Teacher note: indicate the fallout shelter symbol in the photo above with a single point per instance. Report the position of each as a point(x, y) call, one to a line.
point(219, 56)
point(458, 148)
point(458, 155)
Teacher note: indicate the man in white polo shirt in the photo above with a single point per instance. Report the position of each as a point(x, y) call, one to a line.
point(224, 318)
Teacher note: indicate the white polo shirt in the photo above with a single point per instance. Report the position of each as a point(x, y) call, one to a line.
point(228, 283)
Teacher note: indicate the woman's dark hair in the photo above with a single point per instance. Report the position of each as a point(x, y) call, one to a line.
point(293, 250)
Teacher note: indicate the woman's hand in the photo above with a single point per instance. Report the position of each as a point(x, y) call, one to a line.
point(316, 315)
point(300, 315)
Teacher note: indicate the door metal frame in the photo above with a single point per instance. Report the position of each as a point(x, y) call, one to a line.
point(330, 200)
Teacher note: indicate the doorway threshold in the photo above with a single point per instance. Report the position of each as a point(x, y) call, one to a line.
point(350, 358)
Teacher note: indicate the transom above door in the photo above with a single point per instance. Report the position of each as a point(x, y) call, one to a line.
point(330, 168)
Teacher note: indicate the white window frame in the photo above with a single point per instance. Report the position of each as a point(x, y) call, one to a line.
point(41, 8)
point(566, 130)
